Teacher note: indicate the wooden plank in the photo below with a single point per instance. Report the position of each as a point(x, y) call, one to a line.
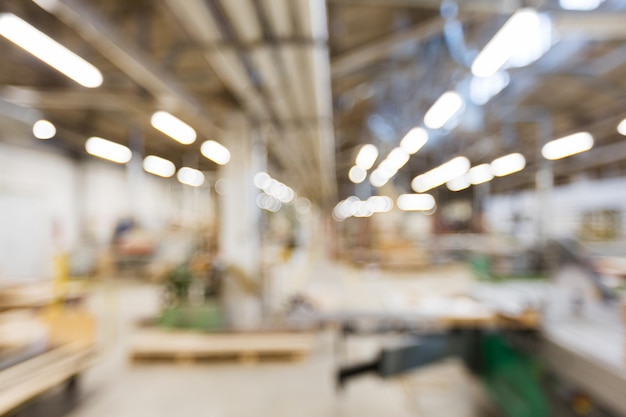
point(22, 382)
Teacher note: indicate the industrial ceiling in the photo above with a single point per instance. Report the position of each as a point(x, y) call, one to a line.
point(317, 80)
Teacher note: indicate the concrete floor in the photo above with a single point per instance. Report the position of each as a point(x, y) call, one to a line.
point(117, 388)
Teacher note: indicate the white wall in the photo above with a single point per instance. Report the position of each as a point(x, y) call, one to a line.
point(566, 206)
point(51, 203)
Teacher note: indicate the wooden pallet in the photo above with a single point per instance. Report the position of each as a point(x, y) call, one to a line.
point(152, 344)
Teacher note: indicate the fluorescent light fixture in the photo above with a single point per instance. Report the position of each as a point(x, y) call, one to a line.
point(49, 51)
point(446, 106)
point(442, 174)
point(398, 158)
point(108, 150)
point(414, 140)
point(159, 166)
point(215, 152)
point(378, 179)
point(173, 127)
point(583, 5)
point(43, 129)
point(480, 174)
point(366, 157)
point(567, 146)
point(190, 176)
point(357, 175)
point(621, 127)
point(512, 36)
point(268, 202)
point(458, 183)
point(262, 180)
point(416, 202)
point(484, 89)
point(508, 164)
point(380, 203)
point(387, 169)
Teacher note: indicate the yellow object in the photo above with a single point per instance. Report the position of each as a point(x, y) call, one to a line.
point(61, 276)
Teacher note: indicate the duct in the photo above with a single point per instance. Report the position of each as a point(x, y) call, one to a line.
point(243, 17)
point(278, 13)
point(591, 26)
point(359, 58)
point(137, 65)
point(225, 63)
point(315, 12)
point(74, 99)
point(18, 113)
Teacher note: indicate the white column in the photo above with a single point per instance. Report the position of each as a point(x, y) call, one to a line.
point(238, 221)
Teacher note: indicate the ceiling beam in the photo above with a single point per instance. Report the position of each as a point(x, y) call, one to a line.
point(361, 57)
point(137, 65)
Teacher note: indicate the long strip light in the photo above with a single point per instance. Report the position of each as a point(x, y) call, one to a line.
point(446, 106)
point(49, 51)
point(416, 202)
point(414, 140)
point(216, 152)
point(567, 146)
point(508, 164)
point(480, 174)
point(354, 207)
point(442, 174)
point(159, 166)
point(190, 176)
point(366, 157)
point(173, 127)
point(505, 42)
point(108, 150)
point(458, 184)
point(274, 188)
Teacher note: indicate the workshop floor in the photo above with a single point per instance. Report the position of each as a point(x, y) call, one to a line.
point(115, 387)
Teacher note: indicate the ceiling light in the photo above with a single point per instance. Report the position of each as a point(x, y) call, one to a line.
point(380, 203)
point(261, 180)
point(441, 175)
point(584, 5)
point(480, 174)
point(49, 51)
point(378, 179)
point(505, 42)
point(398, 158)
point(173, 127)
point(158, 166)
point(43, 129)
point(508, 164)
point(106, 149)
point(567, 146)
point(190, 176)
point(443, 110)
point(621, 127)
point(458, 183)
point(366, 157)
point(414, 140)
point(387, 169)
point(357, 175)
point(416, 202)
point(484, 89)
point(215, 152)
